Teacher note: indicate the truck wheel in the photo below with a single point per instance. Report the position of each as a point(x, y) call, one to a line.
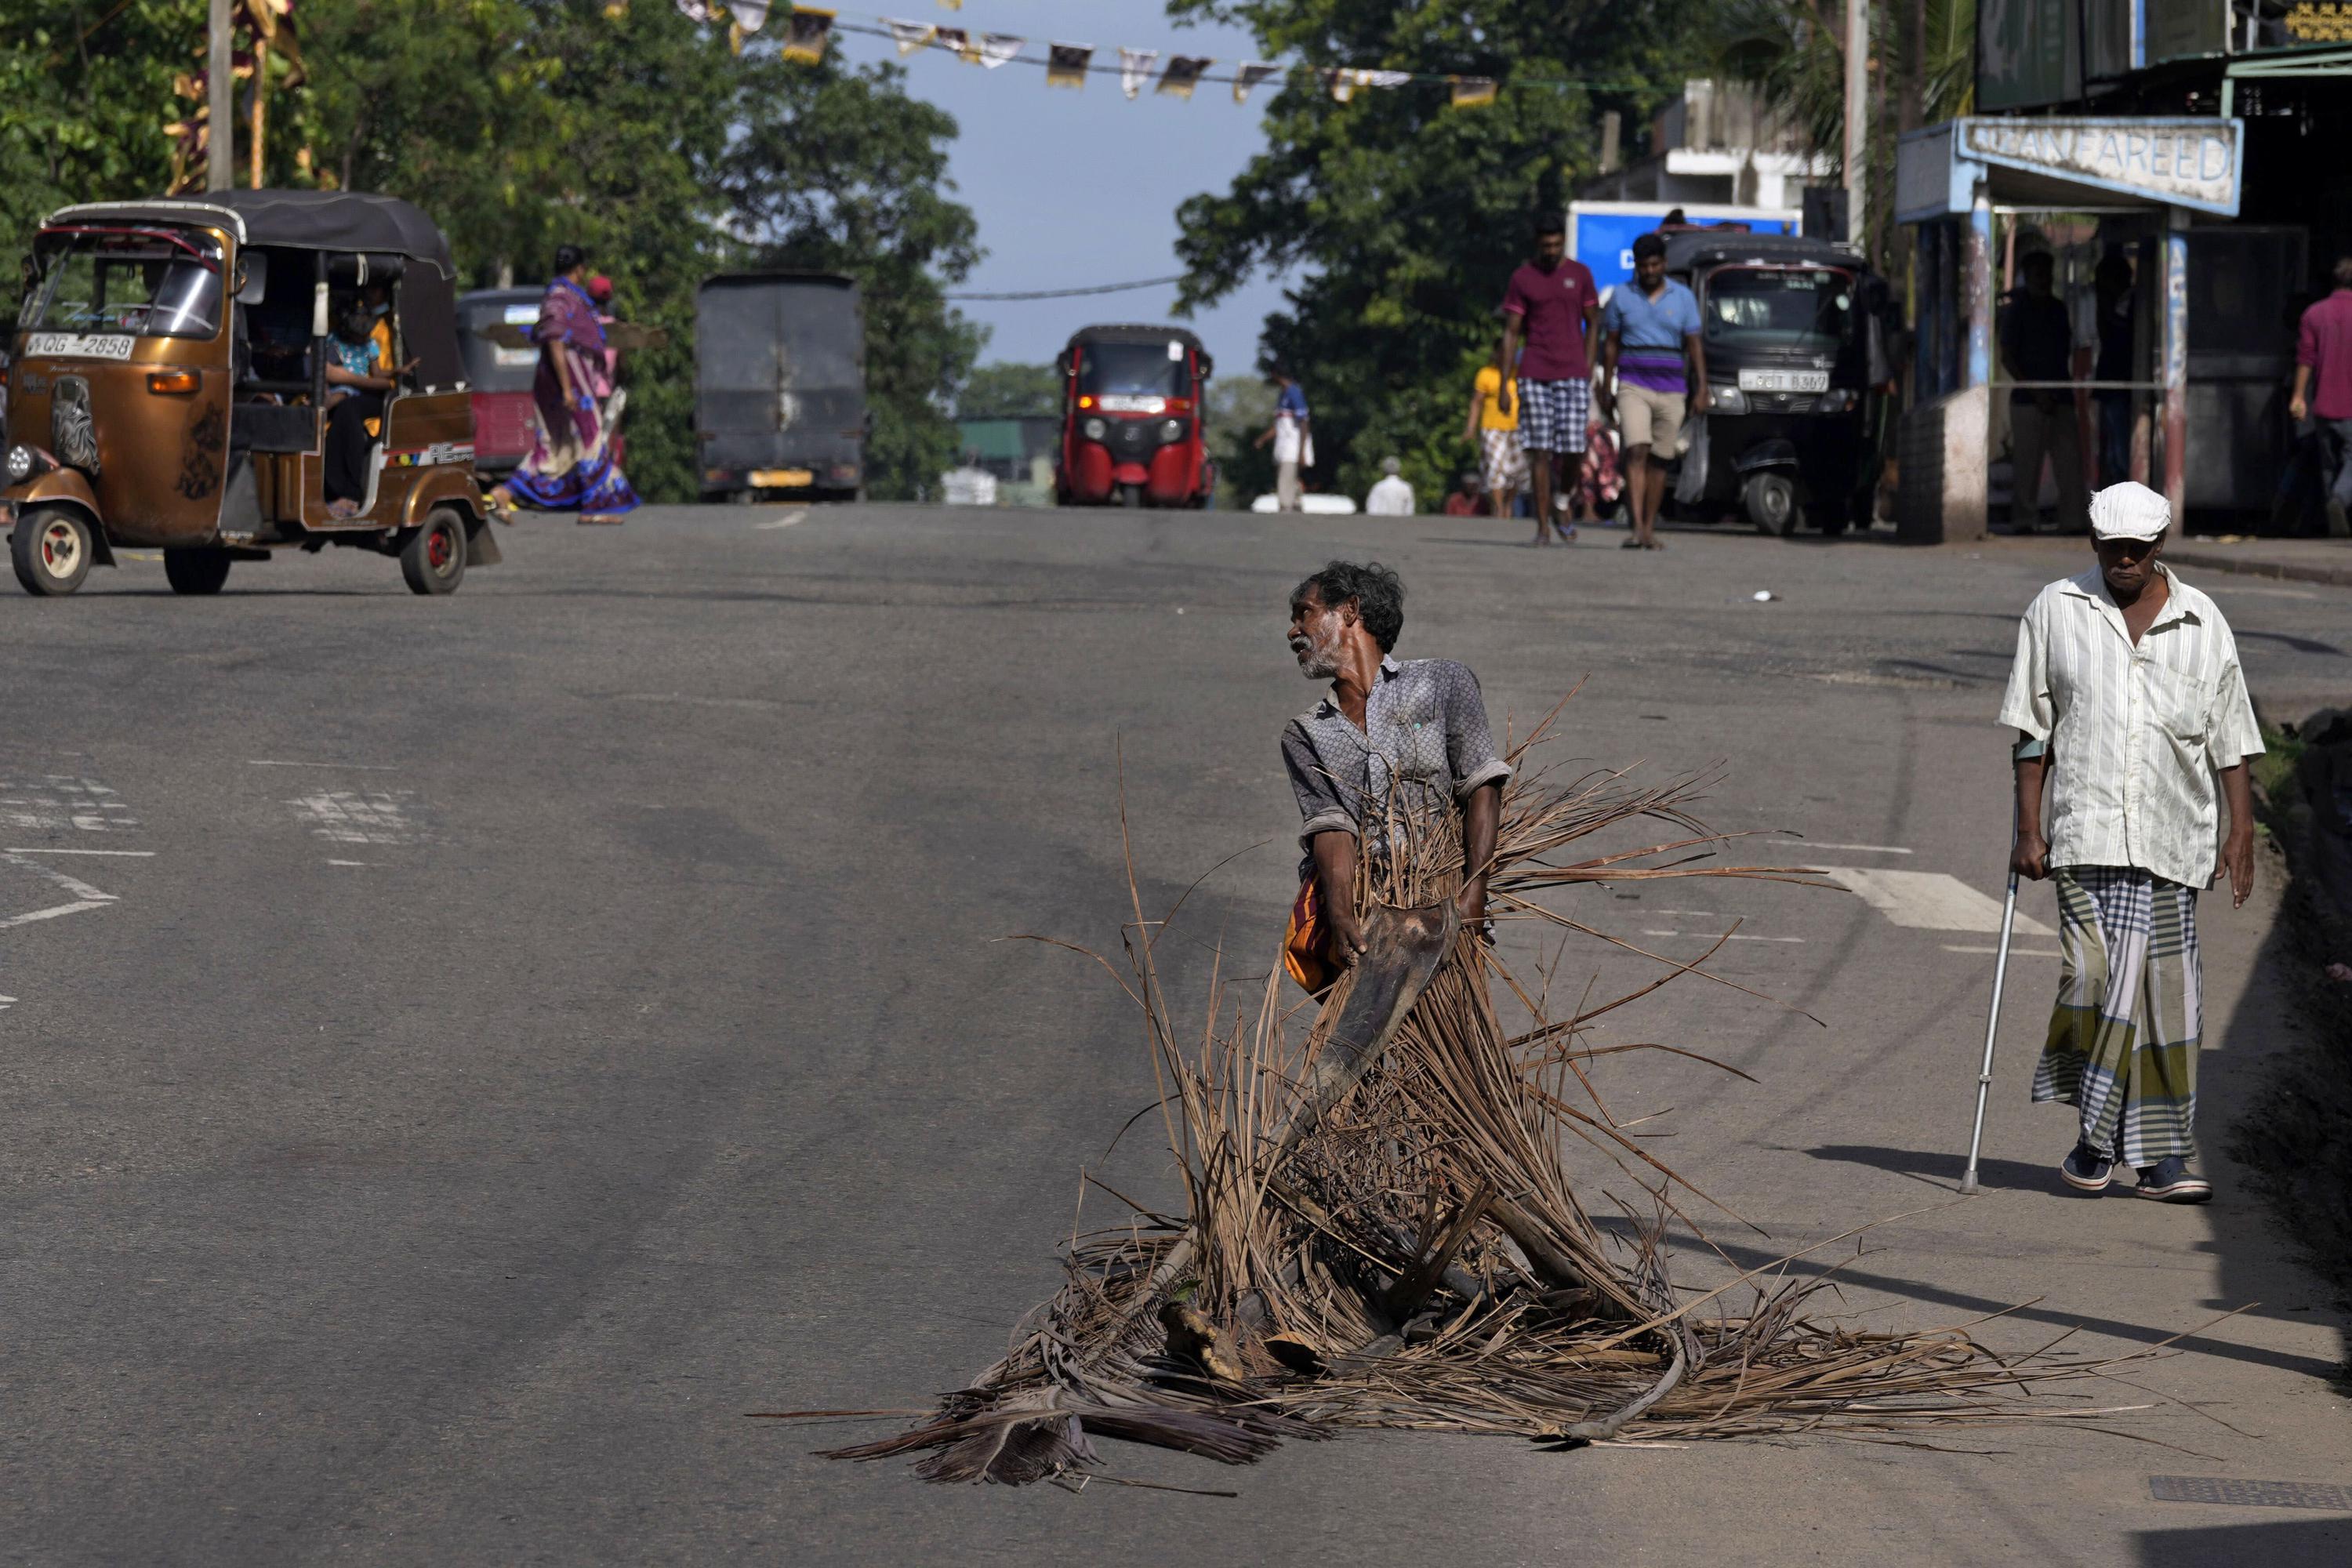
point(199, 571)
point(434, 558)
point(1130, 496)
point(50, 550)
point(1771, 503)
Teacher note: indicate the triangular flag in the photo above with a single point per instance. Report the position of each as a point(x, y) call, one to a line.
point(995, 49)
point(1135, 69)
point(1249, 76)
point(909, 36)
point(1066, 64)
point(805, 39)
point(749, 15)
point(1340, 84)
point(1183, 74)
point(1383, 79)
point(959, 40)
point(1469, 92)
point(951, 4)
point(695, 10)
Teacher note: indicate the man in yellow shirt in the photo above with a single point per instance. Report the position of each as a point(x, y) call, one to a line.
point(1493, 428)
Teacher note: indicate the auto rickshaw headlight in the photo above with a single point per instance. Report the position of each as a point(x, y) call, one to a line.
point(1726, 400)
point(1172, 430)
point(1094, 429)
point(20, 464)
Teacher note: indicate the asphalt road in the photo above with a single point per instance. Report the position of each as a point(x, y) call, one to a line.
point(472, 1050)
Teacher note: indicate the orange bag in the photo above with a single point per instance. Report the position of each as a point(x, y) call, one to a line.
point(1305, 946)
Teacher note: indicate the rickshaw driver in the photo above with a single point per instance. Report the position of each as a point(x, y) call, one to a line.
point(361, 371)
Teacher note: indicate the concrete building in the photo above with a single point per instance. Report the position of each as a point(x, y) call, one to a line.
point(1715, 145)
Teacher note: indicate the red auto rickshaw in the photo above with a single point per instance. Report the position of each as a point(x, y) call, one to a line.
point(1132, 424)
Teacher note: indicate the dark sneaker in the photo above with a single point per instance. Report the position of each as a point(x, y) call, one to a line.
point(2168, 1182)
point(2087, 1169)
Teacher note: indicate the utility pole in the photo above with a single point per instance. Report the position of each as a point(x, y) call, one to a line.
point(220, 134)
point(1857, 115)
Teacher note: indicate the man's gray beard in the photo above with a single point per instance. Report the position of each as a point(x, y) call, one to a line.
point(1321, 663)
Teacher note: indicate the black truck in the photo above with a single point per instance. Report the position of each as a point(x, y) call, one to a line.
point(779, 386)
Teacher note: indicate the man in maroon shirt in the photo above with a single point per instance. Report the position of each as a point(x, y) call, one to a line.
point(2323, 389)
point(1553, 308)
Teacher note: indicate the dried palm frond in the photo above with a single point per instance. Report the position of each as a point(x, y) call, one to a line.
point(1394, 1240)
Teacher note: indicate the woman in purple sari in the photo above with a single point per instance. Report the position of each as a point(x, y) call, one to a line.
point(571, 467)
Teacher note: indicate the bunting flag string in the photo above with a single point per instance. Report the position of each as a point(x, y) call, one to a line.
point(1069, 65)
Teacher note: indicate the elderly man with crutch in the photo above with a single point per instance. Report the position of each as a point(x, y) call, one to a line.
point(2128, 705)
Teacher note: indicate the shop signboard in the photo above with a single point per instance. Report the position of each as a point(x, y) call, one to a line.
point(2027, 53)
point(2189, 162)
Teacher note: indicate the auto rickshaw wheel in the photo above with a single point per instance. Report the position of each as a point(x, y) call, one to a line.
point(1130, 494)
point(51, 549)
point(1771, 500)
point(434, 558)
point(197, 571)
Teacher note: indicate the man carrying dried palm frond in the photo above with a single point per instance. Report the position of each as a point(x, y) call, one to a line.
point(1390, 739)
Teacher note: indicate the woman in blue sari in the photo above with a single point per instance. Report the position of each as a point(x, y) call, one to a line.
point(577, 410)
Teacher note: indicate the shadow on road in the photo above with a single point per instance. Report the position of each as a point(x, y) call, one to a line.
point(2296, 1544)
point(1944, 1168)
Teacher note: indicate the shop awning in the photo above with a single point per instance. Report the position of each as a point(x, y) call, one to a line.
point(2192, 162)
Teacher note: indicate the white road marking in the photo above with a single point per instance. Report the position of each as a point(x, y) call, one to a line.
point(1859, 848)
point(74, 885)
point(50, 914)
point(126, 854)
point(349, 817)
point(2013, 952)
point(61, 800)
point(1735, 936)
point(350, 862)
point(1929, 900)
point(799, 514)
point(353, 767)
point(6, 1003)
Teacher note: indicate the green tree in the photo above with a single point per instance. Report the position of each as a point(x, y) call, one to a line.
point(1032, 391)
point(1240, 408)
point(1407, 216)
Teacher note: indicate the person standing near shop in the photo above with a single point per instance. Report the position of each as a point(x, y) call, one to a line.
point(2113, 310)
point(1294, 447)
point(2129, 708)
point(1493, 428)
point(1550, 311)
point(1659, 373)
point(2323, 390)
point(2037, 344)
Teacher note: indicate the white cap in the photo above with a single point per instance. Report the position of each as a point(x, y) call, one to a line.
point(2129, 511)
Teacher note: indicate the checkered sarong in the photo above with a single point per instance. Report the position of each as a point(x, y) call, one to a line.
point(1504, 462)
point(2123, 1038)
point(1552, 413)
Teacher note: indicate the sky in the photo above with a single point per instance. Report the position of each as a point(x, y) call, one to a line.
point(1073, 188)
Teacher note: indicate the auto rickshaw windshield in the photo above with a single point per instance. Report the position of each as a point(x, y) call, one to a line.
point(1134, 370)
point(1780, 307)
point(148, 285)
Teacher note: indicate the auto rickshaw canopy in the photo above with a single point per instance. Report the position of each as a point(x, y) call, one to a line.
point(1137, 332)
point(335, 223)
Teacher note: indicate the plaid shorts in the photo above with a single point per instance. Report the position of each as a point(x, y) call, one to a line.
point(1505, 466)
point(1552, 413)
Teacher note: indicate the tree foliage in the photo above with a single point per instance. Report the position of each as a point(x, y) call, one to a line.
point(1405, 217)
point(1027, 391)
point(518, 125)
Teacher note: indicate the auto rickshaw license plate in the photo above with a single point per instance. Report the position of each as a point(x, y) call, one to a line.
point(781, 479)
point(1784, 381)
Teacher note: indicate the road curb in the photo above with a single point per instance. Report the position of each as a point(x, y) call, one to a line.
point(2250, 566)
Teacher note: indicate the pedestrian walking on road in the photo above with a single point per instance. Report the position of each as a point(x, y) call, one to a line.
point(2129, 705)
point(1294, 444)
point(1552, 308)
point(2037, 344)
point(1659, 371)
point(1493, 428)
point(1391, 496)
point(2323, 390)
point(573, 464)
point(1389, 736)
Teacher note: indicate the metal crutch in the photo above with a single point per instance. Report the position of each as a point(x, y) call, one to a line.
point(1993, 1029)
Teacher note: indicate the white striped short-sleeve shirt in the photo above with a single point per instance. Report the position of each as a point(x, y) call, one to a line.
point(2136, 732)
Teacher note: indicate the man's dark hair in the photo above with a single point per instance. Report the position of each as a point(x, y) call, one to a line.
point(1550, 222)
point(2343, 272)
point(567, 257)
point(1378, 592)
point(2038, 262)
point(1648, 245)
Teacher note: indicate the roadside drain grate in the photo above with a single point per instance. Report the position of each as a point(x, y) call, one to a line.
point(2249, 1494)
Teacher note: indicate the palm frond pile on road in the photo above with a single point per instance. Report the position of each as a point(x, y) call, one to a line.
point(1395, 1239)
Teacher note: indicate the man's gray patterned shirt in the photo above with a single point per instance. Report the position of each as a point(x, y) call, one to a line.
point(1425, 741)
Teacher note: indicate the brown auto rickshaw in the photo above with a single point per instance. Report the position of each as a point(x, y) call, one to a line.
point(169, 390)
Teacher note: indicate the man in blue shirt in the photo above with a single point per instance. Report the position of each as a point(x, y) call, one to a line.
point(1293, 446)
point(1653, 369)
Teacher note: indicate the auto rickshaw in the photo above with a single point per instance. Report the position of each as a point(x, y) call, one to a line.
point(1797, 376)
point(169, 390)
point(498, 376)
point(1132, 420)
